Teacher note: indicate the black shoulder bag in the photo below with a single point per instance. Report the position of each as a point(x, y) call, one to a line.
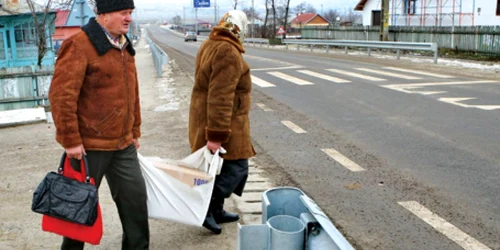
point(65, 198)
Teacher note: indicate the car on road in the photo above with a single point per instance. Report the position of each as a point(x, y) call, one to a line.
point(190, 36)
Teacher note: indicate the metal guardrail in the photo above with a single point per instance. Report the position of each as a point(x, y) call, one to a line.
point(367, 44)
point(260, 41)
point(160, 58)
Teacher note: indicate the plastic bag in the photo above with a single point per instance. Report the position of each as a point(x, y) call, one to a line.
point(173, 200)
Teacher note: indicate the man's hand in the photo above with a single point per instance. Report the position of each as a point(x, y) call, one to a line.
point(76, 152)
point(213, 146)
point(136, 143)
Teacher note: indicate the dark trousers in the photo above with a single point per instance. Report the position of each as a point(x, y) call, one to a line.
point(232, 179)
point(124, 177)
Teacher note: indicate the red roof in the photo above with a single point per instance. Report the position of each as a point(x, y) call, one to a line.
point(304, 18)
point(62, 18)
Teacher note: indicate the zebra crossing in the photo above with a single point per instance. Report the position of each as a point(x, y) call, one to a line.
point(412, 81)
point(344, 76)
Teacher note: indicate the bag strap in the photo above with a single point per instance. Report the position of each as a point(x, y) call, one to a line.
point(60, 170)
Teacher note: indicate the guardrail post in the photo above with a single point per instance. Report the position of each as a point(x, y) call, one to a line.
point(298, 47)
point(369, 51)
point(436, 53)
point(312, 47)
point(345, 49)
point(327, 49)
point(399, 53)
point(286, 46)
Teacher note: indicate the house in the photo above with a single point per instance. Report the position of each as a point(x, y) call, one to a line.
point(18, 46)
point(69, 22)
point(432, 12)
point(22, 83)
point(308, 20)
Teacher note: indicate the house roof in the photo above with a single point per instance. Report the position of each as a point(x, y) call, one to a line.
point(61, 17)
point(360, 5)
point(304, 18)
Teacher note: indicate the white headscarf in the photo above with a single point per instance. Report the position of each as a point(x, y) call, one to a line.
point(235, 21)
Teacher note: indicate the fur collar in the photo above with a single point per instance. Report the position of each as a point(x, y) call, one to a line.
point(99, 39)
point(219, 33)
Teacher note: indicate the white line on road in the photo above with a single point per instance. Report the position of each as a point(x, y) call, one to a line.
point(261, 83)
point(412, 88)
point(293, 127)
point(456, 101)
point(278, 68)
point(385, 73)
point(323, 76)
point(444, 227)
point(419, 72)
point(290, 78)
point(346, 162)
point(264, 107)
point(343, 72)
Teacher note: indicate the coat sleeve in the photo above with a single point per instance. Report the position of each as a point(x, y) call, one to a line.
point(136, 129)
point(226, 72)
point(64, 91)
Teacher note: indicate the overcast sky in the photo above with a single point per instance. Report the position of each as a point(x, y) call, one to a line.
point(166, 9)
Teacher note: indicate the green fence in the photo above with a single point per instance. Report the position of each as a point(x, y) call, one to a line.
point(485, 39)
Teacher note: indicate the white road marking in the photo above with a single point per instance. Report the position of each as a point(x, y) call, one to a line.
point(323, 76)
point(346, 162)
point(409, 88)
point(293, 127)
point(419, 72)
point(444, 227)
point(389, 74)
point(343, 72)
point(456, 101)
point(261, 83)
point(278, 68)
point(264, 107)
point(290, 78)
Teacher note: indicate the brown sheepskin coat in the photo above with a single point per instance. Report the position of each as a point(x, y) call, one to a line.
point(94, 94)
point(221, 97)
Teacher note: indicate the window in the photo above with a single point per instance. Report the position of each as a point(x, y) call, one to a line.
point(410, 7)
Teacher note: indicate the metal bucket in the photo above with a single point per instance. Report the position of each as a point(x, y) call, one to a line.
point(286, 233)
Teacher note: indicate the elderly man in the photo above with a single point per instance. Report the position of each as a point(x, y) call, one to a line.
point(94, 99)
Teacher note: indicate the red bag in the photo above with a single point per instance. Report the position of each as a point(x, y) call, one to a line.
point(89, 234)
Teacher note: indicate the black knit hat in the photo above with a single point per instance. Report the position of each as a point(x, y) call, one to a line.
point(105, 6)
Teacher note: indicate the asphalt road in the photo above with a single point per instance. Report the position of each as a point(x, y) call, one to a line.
point(421, 167)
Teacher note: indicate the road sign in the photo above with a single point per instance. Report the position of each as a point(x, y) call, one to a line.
point(201, 3)
point(281, 31)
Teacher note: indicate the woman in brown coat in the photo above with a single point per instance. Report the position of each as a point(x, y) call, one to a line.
point(218, 115)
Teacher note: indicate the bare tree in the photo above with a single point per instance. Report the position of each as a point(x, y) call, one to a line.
point(304, 7)
point(350, 16)
point(235, 4)
point(273, 6)
point(177, 20)
point(331, 15)
point(286, 17)
point(264, 29)
point(42, 23)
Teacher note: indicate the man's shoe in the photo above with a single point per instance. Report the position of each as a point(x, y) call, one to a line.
point(225, 217)
point(211, 224)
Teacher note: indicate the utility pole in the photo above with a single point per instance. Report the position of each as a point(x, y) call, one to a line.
point(196, 20)
point(384, 21)
point(215, 13)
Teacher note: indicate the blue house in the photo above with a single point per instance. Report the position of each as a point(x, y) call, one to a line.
point(22, 83)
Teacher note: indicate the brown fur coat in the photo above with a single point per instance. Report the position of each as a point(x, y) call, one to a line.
point(221, 99)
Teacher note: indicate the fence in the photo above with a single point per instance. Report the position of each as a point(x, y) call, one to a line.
point(160, 58)
point(24, 88)
point(484, 39)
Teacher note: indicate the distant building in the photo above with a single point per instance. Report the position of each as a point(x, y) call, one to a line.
point(69, 22)
point(432, 12)
point(308, 20)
